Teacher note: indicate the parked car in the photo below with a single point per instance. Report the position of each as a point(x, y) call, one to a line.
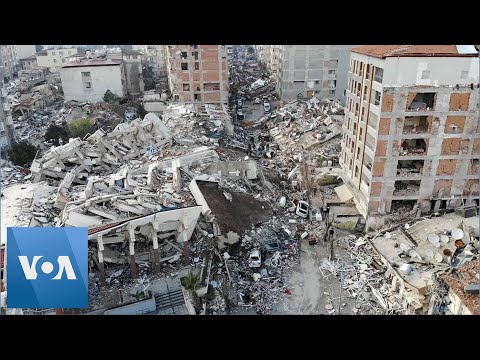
point(302, 209)
point(266, 107)
point(255, 259)
point(240, 114)
point(239, 103)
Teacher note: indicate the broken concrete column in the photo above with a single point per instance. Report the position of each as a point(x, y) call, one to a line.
point(177, 177)
point(100, 249)
point(156, 252)
point(131, 241)
point(89, 189)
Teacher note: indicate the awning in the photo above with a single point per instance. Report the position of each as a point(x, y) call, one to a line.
point(343, 193)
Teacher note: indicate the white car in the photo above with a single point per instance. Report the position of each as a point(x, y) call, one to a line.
point(255, 259)
point(302, 209)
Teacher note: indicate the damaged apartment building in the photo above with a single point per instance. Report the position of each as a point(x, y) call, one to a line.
point(307, 70)
point(411, 132)
point(198, 73)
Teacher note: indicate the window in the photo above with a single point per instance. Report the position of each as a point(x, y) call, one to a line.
point(377, 98)
point(317, 82)
point(184, 55)
point(184, 66)
point(360, 132)
point(194, 46)
point(317, 91)
point(135, 57)
point(87, 84)
point(331, 72)
point(378, 75)
point(60, 53)
point(54, 61)
point(425, 74)
point(331, 93)
point(356, 170)
point(197, 66)
point(85, 74)
point(186, 87)
point(464, 74)
point(197, 97)
point(358, 153)
point(195, 55)
point(53, 53)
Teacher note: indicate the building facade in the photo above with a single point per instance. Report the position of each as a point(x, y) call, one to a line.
point(28, 63)
point(25, 51)
point(55, 58)
point(89, 79)
point(198, 73)
point(7, 134)
point(411, 131)
point(9, 61)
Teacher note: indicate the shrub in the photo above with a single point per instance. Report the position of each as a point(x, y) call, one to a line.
point(55, 133)
point(22, 153)
point(80, 127)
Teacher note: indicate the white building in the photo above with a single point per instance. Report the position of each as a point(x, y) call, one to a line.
point(89, 79)
point(54, 59)
point(25, 51)
point(8, 61)
point(7, 135)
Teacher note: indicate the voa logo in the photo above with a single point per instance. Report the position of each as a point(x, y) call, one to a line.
point(64, 267)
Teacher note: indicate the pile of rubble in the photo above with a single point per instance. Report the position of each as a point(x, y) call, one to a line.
point(13, 174)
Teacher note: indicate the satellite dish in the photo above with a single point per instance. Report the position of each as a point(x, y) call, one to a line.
point(438, 257)
point(457, 234)
point(388, 235)
point(429, 253)
point(407, 226)
point(444, 239)
point(433, 238)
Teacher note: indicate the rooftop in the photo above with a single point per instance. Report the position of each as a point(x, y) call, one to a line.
point(130, 52)
point(93, 62)
point(32, 57)
point(384, 51)
point(465, 275)
point(41, 53)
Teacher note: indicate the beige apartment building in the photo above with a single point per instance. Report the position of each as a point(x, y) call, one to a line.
point(198, 73)
point(411, 131)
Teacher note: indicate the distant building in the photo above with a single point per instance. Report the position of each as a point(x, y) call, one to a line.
point(303, 71)
point(29, 63)
point(25, 51)
point(411, 135)
point(55, 58)
point(7, 135)
point(89, 79)
point(8, 62)
point(198, 73)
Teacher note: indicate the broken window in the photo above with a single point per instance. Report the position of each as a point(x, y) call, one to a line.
point(186, 87)
point(184, 55)
point(195, 55)
point(317, 82)
point(413, 147)
point(197, 97)
point(407, 187)
point(211, 87)
point(197, 66)
point(184, 66)
point(378, 77)
point(377, 97)
point(331, 93)
point(88, 85)
point(331, 72)
point(367, 161)
point(422, 101)
point(415, 125)
point(410, 167)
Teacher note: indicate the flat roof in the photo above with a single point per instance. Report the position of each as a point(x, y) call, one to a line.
point(32, 57)
point(384, 51)
point(93, 62)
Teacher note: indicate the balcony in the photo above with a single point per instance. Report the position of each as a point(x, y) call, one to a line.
point(422, 102)
point(413, 147)
point(415, 125)
point(407, 188)
point(406, 168)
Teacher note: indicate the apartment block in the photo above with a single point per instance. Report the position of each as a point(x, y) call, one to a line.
point(8, 62)
point(198, 73)
point(411, 135)
point(55, 58)
point(7, 134)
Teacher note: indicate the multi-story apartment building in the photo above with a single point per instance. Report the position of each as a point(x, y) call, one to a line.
point(55, 58)
point(7, 134)
point(155, 56)
point(25, 51)
point(411, 134)
point(8, 61)
point(307, 70)
point(198, 73)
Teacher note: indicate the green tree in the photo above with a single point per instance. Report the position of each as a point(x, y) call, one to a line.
point(22, 153)
point(189, 282)
point(110, 97)
point(80, 127)
point(55, 133)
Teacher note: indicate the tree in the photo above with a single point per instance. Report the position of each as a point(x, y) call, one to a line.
point(189, 282)
point(80, 127)
point(55, 133)
point(110, 97)
point(22, 153)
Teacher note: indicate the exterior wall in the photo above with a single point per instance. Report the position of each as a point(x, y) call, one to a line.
point(134, 74)
point(55, 58)
point(24, 51)
point(307, 70)
point(377, 125)
point(29, 63)
point(8, 61)
point(456, 306)
point(103, 78)
point(208, 84)
point(7, 134)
